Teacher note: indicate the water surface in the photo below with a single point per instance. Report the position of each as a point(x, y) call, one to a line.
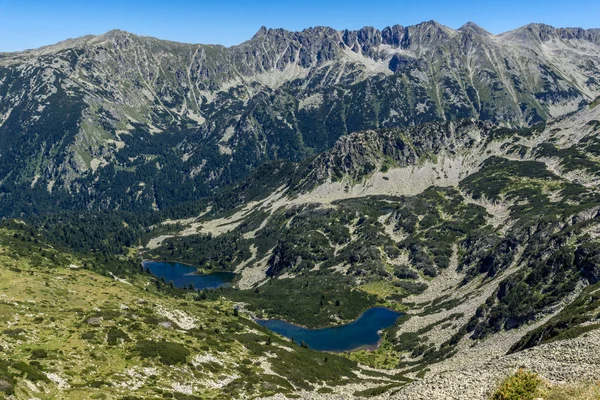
point(182, 275)
point(364, 332)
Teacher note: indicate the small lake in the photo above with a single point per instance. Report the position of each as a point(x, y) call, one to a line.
point(364, 332)
point(182, 275)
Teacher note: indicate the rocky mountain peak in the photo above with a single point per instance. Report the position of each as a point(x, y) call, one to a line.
point(540, 33)
point(363, 40)
point(115, 33)
point(473, 28)
point(261, 32)
point(432, 26)
point(117, 36)
point(393, 35)
point(427, 34)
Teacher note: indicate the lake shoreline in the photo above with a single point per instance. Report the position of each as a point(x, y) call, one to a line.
point(185, 276)
point(197, 272)
point(254, 318)
point(360, 326)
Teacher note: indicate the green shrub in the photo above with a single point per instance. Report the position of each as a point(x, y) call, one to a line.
point(89, 335)
point(30, 372)
point(7, 381)
point(376, 391)
point(39, 353)
point(115, 335)
point(324, 390)
point(169, 353)
point(523, 385)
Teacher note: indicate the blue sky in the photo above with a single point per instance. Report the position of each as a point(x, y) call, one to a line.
point(33, 23)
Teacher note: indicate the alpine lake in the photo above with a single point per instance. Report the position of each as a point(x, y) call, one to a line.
point(359, 334)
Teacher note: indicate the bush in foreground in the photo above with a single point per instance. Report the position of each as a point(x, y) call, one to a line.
point(523, 385)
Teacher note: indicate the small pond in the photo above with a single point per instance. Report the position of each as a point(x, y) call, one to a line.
point(182, 275)
point(362, 333)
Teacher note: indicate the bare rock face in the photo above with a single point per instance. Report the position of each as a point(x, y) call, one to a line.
point(5, 386)
point(359, 154)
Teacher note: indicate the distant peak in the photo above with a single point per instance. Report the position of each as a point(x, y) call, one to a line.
point(538, 25)
point(431, 23)
point(432, 29)
point(116, 33)
point(543, 32)
point(262, 31)
point(473, 27)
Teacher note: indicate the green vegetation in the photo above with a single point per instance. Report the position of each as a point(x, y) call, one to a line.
point(312, 299)
point(571, 158)
point(30, 371)
point(569, 323)
point(205, 251)
point(93, 332)
point(377, 391)
point(435, 221)
point(169, 353)
point(310, 243)
point(7, 379)
point(555, 255)
point(523, 385)
point(580, 391)
point(500, 176)
point(526, 385)
point(385, 356)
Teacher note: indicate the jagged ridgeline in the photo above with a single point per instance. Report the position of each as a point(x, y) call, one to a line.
point(136, 123)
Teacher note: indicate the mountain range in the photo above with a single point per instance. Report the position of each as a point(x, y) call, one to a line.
point(145, 114)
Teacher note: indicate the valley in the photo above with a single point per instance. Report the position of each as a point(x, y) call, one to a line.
point(407, 213)
point(460, 259)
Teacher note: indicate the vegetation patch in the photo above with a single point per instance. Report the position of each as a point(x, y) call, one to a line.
point(169, 353)
point(311, 299)
point(523, 385)
point(573, 321)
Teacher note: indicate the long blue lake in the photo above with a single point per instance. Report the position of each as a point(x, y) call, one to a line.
point(182, 275)
point(364, 332)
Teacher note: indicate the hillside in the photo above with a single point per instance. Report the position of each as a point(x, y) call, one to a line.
point(75, 328)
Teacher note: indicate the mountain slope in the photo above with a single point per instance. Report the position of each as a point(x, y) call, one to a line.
point(119, 121)
point(486, 236)
point(76, 327)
